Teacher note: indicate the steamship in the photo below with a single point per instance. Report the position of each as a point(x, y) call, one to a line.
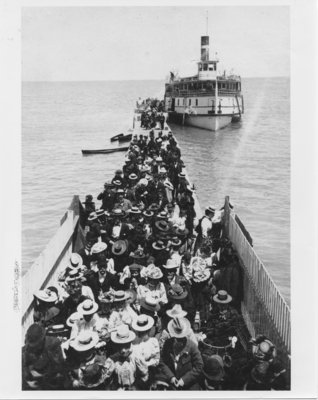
point(206, 100)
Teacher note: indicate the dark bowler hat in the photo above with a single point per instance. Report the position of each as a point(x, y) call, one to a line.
point(213, 368)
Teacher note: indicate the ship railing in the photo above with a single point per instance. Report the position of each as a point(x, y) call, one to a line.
point(264, 309)
point(202, 93)
point(52, 260)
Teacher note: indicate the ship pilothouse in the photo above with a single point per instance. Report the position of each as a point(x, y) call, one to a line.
point(206, 100)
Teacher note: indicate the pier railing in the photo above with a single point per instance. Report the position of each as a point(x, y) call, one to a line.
point(53, 259)
point(264, 309)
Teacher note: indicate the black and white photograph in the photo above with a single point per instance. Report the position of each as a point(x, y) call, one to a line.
point(156, 163)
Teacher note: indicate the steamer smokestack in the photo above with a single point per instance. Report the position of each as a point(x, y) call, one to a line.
point(204, 48)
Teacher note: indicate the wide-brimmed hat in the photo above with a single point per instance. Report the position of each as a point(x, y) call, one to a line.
point(201, 275)
point(158, 245)
point(176, 311)
point(177, 292)
point(35, 335)
point(47, 296)
point(87, 307)
point(134, 210)
point(170, 264)
point(142, 323)
point(133, 177)
point(120, 191)
point(153, 207)
point(76, 261)
point(117, 182)
point(222, 297)
point(120, 295)
point(148, 214)
point(210, 209)
point(86, 340)
point(150, 303)
point(118, 212)
point(175, 241)
point(74, 275)
point(119, 247)
point(92, 216)
point(162, 215)
point(100, 212)
point(123, 335)
point(213, 368)
point(179, 327)
point(143, 181)
point(182, 175)
point(162, 225)
point(98, 247)
point(154, 272)
point(71, 320)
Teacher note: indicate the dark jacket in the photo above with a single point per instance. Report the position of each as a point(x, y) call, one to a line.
point(189, 367)
point(96, 286)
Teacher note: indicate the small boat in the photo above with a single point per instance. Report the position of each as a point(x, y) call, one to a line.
point(114, 138)
point(125, 138)
point(106, 151)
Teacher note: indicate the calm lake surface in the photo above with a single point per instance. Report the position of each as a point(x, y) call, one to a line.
point(249, 161)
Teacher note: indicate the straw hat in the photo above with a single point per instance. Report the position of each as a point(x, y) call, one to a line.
point(177, 292)
point(120, 295)
point(76, 260)
point(162, 215)
point(176, 311)
point(122, 335)
point(92, 216)
point(162, 225)
point(134, 210)
point(133, 177)
point(213, 368)
point(158, 245)
point(86, 340)
point(175, 242)
point(142, 323)
point(100, 212)
point(148, 213)
point(149, 303)
point(131, 296)
point(46, 296)
point(87, 307)
point(171, 264)
point(119, 247)
point(71, 320)
point(222, 297)
point(210, 209)
point(74, 275)
point(179, 327)
point(154, 273)
point(118, 212)
point(98, 247)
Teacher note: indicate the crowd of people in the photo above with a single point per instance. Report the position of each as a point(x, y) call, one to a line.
point(151, 301)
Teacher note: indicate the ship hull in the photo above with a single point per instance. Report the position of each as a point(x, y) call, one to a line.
point(209, 122)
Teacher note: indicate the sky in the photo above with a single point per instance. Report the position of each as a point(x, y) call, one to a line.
point(129, 43)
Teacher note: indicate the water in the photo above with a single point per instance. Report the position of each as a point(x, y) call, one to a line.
point(249, 161)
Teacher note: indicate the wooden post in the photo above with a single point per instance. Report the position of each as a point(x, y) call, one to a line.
point(227, 215)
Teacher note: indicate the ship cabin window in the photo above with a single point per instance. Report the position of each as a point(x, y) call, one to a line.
point(178, 101)
point(200, 67)
point(184, 101)
point(223, 85)
point(196, 102)
point(205, 67)
point(189, 102)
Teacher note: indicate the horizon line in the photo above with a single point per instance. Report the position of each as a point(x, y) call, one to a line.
point(136, 80)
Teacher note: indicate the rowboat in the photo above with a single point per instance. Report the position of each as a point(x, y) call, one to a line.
point(105, 151)
point(262, 307)
point(114, 138)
